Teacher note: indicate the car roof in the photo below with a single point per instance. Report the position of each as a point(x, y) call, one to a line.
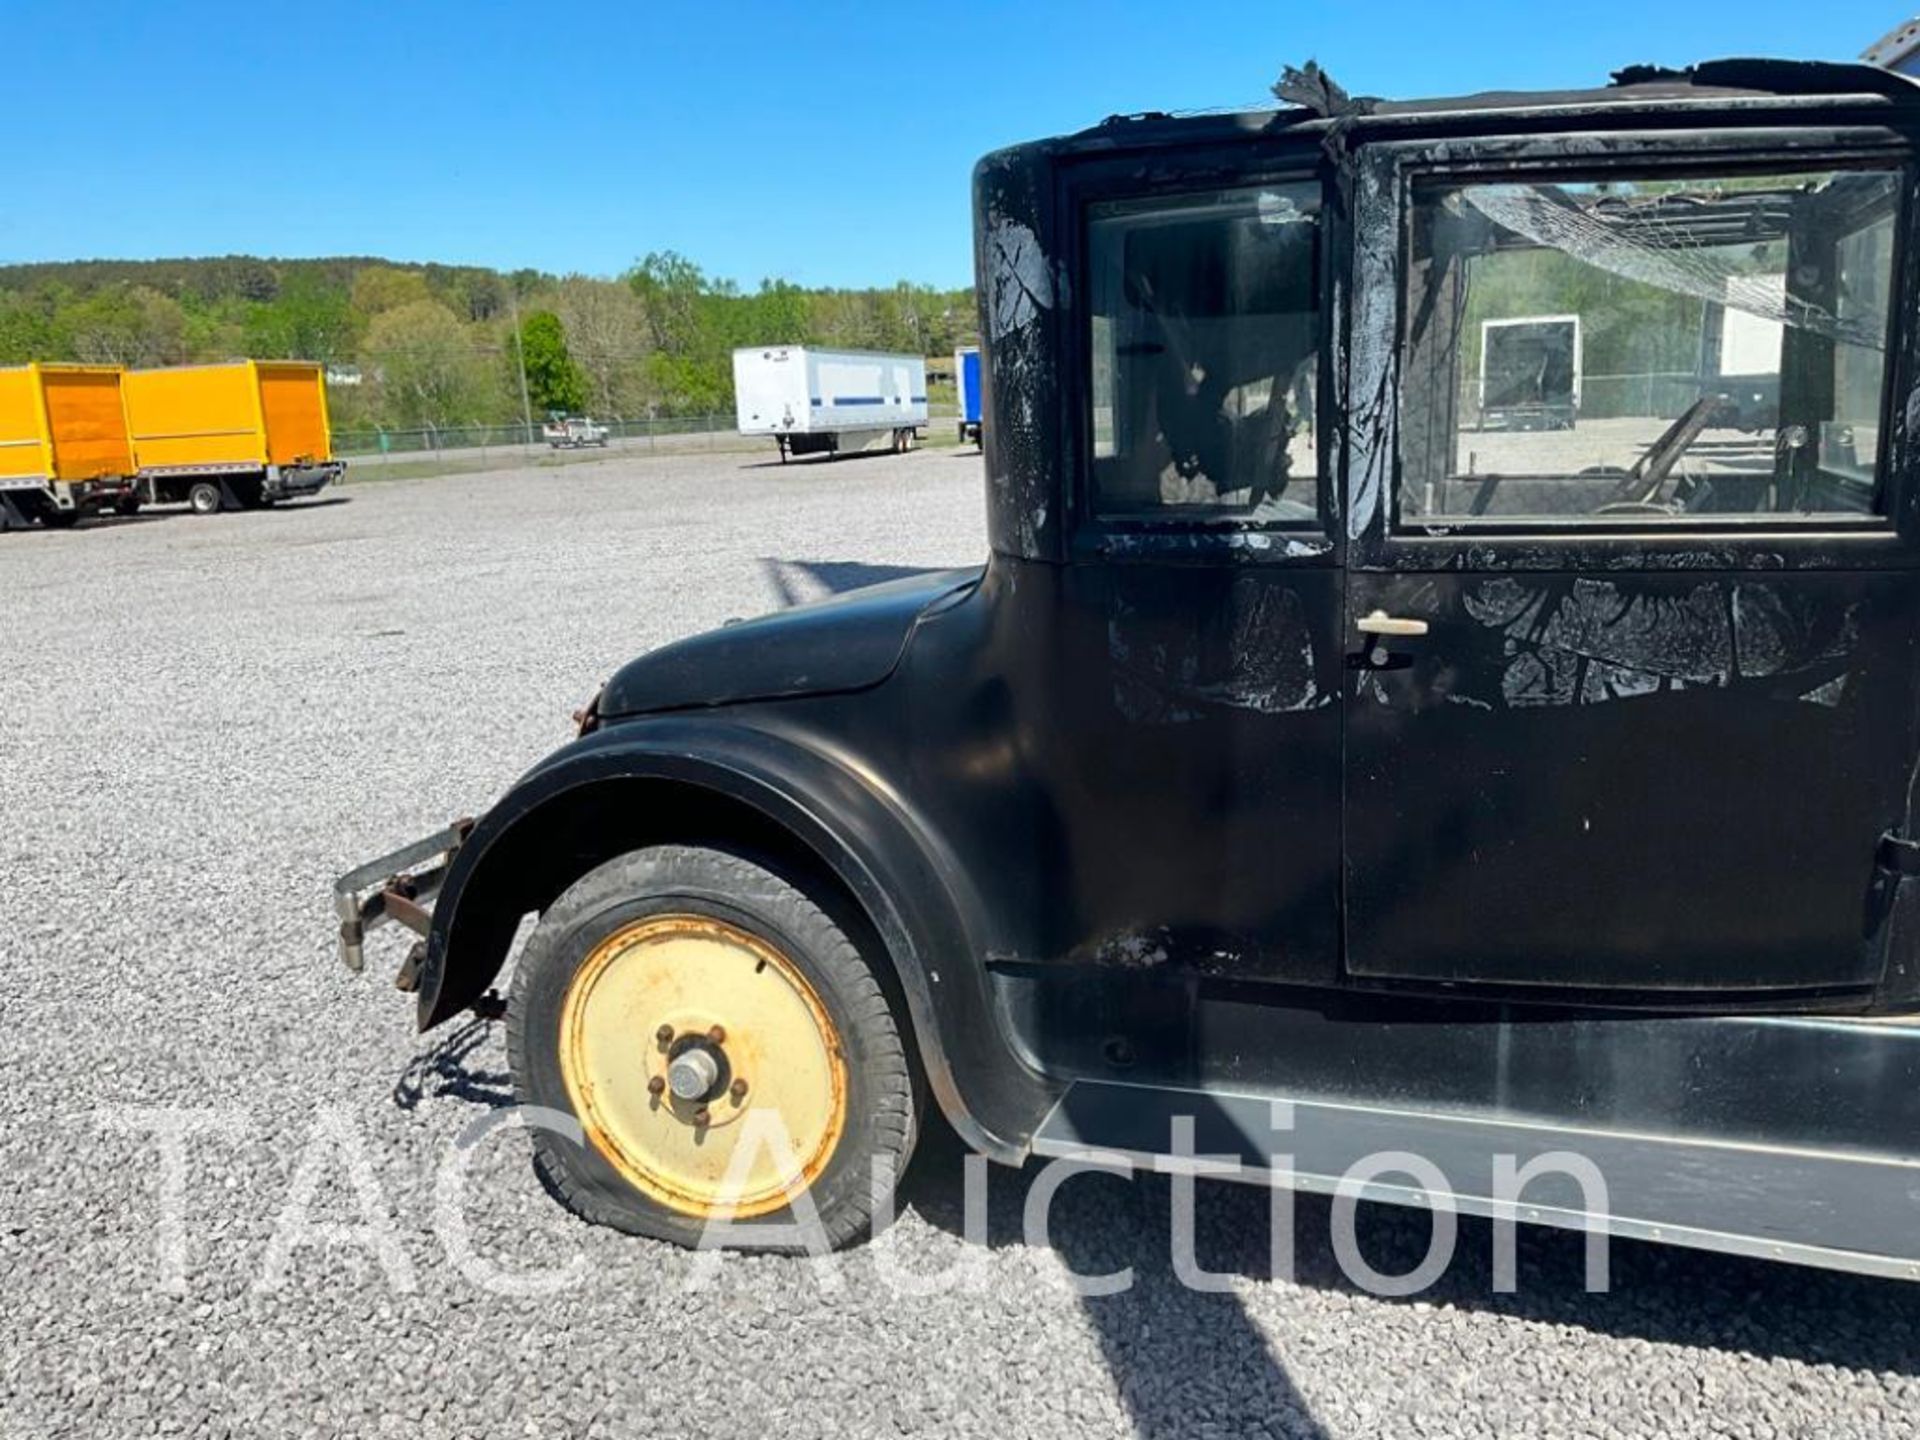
point(1798, 85)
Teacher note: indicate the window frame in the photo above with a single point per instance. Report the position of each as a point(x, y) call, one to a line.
point(1191, 532)
point(1385, 539)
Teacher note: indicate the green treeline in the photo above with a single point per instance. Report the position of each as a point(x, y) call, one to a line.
point(438, 344)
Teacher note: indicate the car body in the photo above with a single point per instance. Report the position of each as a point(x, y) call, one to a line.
point(574, 432)
point(1296, 749)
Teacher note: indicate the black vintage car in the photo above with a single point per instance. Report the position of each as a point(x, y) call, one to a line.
point(1479, 792)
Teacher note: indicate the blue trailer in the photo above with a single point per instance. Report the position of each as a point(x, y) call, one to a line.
point(966, 380)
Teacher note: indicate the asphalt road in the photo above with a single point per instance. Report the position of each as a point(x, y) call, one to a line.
point(203, 721)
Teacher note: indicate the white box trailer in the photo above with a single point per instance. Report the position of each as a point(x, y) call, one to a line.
point(829, 402)
point(1530, 372)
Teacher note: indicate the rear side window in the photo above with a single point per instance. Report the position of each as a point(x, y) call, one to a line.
point(1205, 353)
point(1647, 351)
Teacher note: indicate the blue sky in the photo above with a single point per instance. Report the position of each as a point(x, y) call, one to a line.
point(825, 143)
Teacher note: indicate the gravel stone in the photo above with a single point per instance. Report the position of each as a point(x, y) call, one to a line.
point(205, 720)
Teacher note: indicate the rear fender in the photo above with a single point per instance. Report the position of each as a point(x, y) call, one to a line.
point(609, 791)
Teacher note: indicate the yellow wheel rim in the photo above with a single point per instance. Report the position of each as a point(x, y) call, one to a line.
point(675, 1031)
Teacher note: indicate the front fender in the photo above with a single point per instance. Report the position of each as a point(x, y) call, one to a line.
point(914, 895)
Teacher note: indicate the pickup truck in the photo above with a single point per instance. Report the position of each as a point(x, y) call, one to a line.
point(573, 433)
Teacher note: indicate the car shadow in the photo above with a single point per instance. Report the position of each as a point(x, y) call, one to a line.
point(443, 1071)
point(789, 578)
point(1175, 1353)
point(1657, 1294)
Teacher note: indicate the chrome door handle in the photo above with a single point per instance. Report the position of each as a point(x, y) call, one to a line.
point(1381, 623)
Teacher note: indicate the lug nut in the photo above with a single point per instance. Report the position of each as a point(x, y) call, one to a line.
point(717, 1035)
point(664, 1034)
point(738, 1089)
point(656, 1085)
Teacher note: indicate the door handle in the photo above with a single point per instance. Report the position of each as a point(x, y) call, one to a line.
point(1381, 623)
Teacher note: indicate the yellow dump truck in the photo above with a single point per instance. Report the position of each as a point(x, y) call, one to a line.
point(231, 436)
point(64, 450)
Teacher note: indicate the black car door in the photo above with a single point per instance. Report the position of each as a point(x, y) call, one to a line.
point(1631, 696)
point(1198, 622)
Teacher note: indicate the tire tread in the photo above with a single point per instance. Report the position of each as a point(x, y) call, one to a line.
point(889, 1069)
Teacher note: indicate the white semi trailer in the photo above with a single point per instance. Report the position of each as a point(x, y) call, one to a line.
point(829, 402)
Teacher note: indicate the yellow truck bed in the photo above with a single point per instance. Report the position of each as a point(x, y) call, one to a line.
point(224, 418)
point(62, 424)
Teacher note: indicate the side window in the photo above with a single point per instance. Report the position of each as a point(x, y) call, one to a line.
point(1205, 353)
point(1646, 351)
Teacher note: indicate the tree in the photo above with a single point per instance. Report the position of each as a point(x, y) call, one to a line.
point(554, 381)
point(606, 330)
point(473, 293)
point(308, 320)
point(657, 340)
point(669, 287)
point(380, 288)
point(778, 315)
point(26, 327)
point(126, 325)
point(425, 366)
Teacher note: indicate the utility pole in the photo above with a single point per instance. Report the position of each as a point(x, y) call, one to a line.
point(520, 353)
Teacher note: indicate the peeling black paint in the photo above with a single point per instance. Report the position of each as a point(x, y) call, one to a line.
point(1191, 670)
point(1255, 652)
point(1595, 640)
point(1023, 295)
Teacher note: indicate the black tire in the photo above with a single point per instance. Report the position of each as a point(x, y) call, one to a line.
point(204, 498)
point(883, 1100)
point(55, 519)
point(127, 505)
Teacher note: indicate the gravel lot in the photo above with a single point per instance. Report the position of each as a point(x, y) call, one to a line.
point(205, 720)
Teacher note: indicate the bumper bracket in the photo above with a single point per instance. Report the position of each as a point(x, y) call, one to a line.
point(398, 887)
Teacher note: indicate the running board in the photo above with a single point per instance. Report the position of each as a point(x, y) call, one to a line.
point(1840, 1210)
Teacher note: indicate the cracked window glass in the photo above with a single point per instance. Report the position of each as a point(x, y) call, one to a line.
point(1205, 342)
point(1646, 351)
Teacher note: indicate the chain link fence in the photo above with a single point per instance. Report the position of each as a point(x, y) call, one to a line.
point(1660, 395)
point(483, 446)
